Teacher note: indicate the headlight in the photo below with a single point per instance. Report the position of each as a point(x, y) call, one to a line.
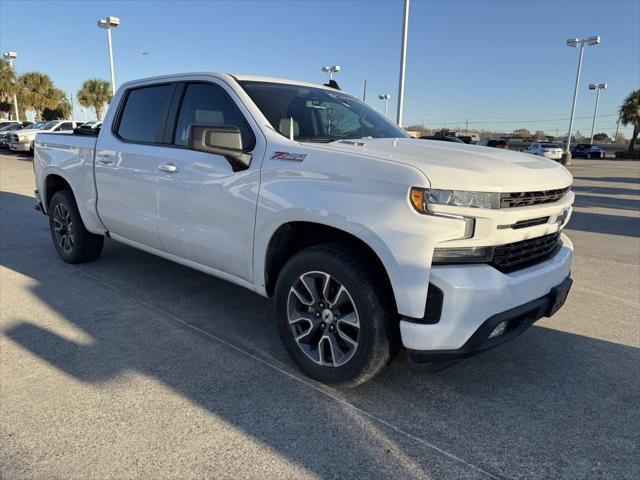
point(422, 197)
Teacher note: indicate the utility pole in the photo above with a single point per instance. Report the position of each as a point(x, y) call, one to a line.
point(364, 92)
point(617, 127)
point(574, 42)
point(466, 126)
point(403, 60)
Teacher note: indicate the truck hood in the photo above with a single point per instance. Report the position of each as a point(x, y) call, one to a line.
point(457, 166)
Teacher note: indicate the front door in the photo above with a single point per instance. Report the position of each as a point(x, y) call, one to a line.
point(206, 211)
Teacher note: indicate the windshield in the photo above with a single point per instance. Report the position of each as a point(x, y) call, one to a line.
point(318, 115)
point(36, 126)
point(49, 125)
point(550, 145)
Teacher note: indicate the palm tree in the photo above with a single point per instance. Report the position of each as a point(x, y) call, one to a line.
point(630, 114)
point(37, 92)
point(7, 81)
point(95, 93)
point(63, 109)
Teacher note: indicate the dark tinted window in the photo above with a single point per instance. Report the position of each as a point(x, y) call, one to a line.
point(208, 104)
point(144, 113)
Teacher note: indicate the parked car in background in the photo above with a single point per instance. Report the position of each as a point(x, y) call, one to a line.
point(22, 140)
point(442, 138)
point(546, 150)
point(12, 127)
point(366, 238)
point(586, 150)
point(494, 142)
point(4, 123)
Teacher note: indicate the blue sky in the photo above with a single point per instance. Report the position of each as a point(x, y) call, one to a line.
point(499, 64)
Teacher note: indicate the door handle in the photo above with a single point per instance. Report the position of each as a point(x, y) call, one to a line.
point(168, 168)
point(105, 160)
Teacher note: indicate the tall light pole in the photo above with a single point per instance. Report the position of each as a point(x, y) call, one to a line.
point(11, 56)
point(574, 42)
point(331, 70)
point(386, 98)
point(109, 23)
point(597, 87)
point(403, 60)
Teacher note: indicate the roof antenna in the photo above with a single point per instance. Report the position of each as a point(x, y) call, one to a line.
point(291, 128)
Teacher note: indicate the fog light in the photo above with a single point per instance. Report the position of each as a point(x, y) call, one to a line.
point(499, 330)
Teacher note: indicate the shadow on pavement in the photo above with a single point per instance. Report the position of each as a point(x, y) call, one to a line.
point(537, 407)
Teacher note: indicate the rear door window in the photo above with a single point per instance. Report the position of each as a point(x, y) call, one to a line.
point(145, 113)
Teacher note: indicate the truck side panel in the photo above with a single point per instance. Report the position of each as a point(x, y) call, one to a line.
point(70, 157)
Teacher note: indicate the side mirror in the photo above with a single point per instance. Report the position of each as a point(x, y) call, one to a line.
point(224, 140)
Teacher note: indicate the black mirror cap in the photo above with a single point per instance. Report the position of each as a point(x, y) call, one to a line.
point(225, 140)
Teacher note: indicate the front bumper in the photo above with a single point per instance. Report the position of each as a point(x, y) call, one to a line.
point(20, 146)
point(474, 294)
point(514, 321)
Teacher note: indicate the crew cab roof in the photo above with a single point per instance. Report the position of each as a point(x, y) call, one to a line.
point(225, 76)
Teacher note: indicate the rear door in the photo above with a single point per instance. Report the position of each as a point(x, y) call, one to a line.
point(126, 164)
point(206, 210)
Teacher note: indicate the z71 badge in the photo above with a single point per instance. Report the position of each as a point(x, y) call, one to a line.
point(295, 157)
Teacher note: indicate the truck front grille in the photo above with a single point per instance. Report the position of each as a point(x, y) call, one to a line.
point(524, 253)
point(524, 199)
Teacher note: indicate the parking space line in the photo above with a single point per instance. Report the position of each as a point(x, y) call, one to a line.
point(297, 379)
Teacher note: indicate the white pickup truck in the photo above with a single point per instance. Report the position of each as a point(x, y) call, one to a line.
point(367, 239)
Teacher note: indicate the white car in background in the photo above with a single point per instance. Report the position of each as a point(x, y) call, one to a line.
point(546, 149)
point(22, 140)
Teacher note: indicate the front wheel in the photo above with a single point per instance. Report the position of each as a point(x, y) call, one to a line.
point(73, 242)
point(333, 316)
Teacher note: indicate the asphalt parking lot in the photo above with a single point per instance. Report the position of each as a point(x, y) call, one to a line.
point(132, 366)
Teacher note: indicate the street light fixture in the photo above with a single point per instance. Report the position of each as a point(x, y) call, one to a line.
point(386, 98)
point(331, 70)
point(597, 87)
point(109, 23)
point(11, 56)
point(574, 42)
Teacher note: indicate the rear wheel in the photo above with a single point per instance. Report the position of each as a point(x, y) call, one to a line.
point(333, 317)
point(73, 242)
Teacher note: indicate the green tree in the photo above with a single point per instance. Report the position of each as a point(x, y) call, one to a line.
point(630, 115)
point(62, 111)
point(601, 138)
point(522, 133)
point(95, 93)
point(539, 135)
point(36, 92)
point(8, 87)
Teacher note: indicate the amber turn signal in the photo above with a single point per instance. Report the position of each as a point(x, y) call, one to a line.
point(416, 195)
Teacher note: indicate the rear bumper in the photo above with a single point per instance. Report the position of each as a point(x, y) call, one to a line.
point(475, 295)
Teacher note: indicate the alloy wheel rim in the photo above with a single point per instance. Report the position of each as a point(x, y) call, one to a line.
point(323, 319)
point(62, 227)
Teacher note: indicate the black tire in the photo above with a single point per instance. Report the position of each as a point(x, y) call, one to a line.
point(378, 338)
point(80, 245)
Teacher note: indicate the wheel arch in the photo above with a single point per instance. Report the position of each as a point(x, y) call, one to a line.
point(54, 183)
point(292, 237)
